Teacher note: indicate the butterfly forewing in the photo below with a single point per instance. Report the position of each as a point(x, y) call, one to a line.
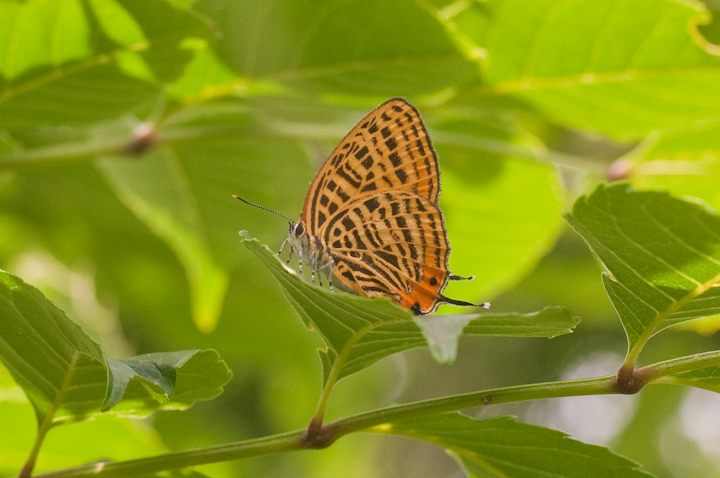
point(373, 210)
point(388, 150)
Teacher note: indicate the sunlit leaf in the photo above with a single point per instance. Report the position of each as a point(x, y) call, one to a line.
point(401, 47)
point(119, 438)
point(621, 68)
point(686, 163)
point(87, 64)
point(662, 255)
point(360, 331)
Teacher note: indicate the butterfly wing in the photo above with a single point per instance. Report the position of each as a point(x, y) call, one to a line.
point(374, 208)
point(392, 244)
point(388, 150)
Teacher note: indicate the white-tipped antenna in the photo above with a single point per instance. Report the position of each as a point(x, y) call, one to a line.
point(263, 207)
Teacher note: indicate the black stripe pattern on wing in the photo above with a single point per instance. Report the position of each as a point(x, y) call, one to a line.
point(391, 241)
point(388, 150)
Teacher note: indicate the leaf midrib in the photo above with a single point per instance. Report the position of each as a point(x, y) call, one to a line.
point(665, 314)
point(592, 78)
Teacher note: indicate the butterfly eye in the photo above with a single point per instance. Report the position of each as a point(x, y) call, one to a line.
point(298, 230)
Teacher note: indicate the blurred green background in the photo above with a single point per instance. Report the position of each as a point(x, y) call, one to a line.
point(126, 126)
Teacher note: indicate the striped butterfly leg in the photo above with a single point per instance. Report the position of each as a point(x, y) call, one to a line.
point(282, 247)
point(313, 267)
point(317, 265)
point(327, 265)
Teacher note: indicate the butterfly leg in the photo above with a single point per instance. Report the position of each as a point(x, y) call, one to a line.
point(329, 264)
point(313, 265)
point(282, 247)
point(318, 269)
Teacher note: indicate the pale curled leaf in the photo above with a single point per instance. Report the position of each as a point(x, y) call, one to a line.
point(503, 447)
point(360, 331)
point(442, 334)
point(168, 380)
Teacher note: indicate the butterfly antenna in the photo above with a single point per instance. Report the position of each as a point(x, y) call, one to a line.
point(262, 207)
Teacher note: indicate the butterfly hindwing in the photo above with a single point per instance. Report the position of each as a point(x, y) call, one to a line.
point(390, 244)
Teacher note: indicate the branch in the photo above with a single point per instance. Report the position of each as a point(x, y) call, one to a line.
point(327, 434)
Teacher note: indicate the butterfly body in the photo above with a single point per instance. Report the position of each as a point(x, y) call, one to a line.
point(309, 249)
point(371, 219)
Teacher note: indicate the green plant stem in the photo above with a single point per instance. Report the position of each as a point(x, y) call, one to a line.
point(295, 440)
point(113, 144)
point(47, 422)
point(199, 456)
point(595, 386)
point(338, 366)
point(335, 373)
point(682, 364)
point(373, 421)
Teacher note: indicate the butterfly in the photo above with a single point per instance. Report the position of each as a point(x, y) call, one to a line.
point(371, 219)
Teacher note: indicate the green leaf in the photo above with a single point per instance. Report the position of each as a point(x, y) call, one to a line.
point(182, 201)
point(48, 355)
point(360, 331)
point(503, 447)
point(204, 75)
point(66, 376)
point(352, 47)
point(682, 162)
point(121, 439)
point(207, 280)
point(621, 68)
point(73, 62)
point(662, 255)
point(707, 378)
point(503, 214)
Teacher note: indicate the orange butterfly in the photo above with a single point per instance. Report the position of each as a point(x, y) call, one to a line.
point(371, 219)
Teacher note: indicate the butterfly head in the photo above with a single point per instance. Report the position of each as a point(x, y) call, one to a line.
point(298, 238)
point(297, 230)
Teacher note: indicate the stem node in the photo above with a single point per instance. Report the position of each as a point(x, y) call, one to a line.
point(317, 436)
point(629, 381)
